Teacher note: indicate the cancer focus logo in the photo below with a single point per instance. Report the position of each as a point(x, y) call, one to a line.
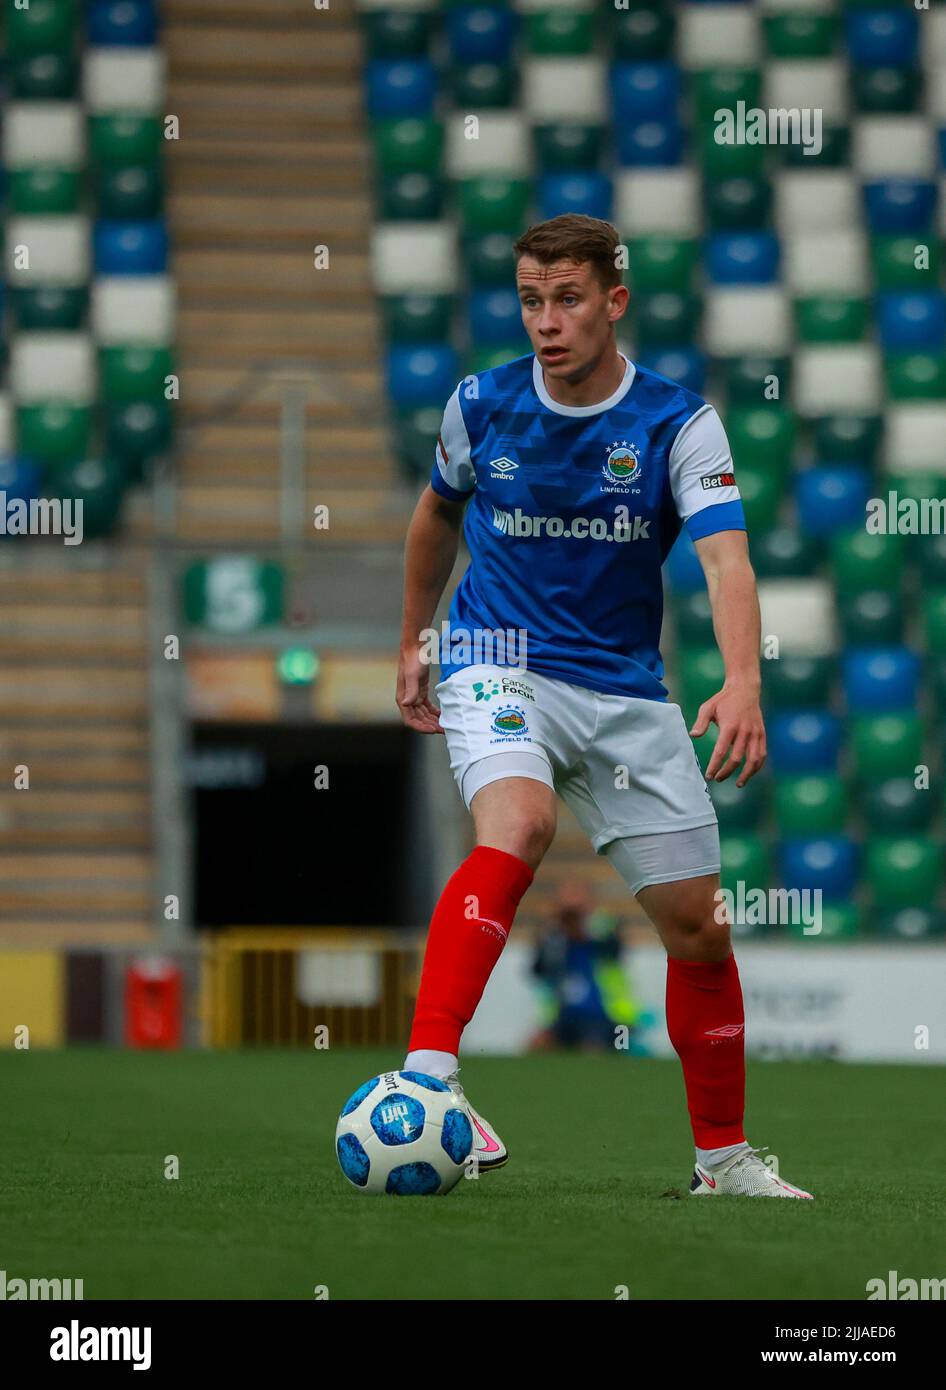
point(622, 467)
point(509, 721)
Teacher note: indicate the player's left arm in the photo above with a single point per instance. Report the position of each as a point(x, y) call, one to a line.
point(730, 581)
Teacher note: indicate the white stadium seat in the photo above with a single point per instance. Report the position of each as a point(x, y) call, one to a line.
point(7, 433)
point(914, 438)
point(124, 79)
point(748, 319)
point(47, 250)
point(409, 256)
point(819, 84)
point(801, 614)
point(555, 87)
point(53, 365)
point(829, 262)
point(815, 200)
point(845, 379)
point(657, 200)
point(893, 147)
point(502, 145)
point(43, 132)
point(133, 309)
point(711, 35)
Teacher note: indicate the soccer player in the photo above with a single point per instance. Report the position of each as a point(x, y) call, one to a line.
point(576, 469)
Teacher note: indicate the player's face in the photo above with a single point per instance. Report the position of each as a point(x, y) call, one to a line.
point(567, 314)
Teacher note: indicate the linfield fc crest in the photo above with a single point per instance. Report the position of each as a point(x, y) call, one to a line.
point(509, 721)
point(622, 467)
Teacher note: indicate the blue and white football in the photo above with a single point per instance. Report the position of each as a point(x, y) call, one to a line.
point(404, 1133)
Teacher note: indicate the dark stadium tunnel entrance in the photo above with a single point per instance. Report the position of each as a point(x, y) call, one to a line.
point(303, 826)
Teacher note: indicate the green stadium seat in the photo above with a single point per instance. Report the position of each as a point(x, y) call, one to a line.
point(44, 189)
point(133, 192)
point(135, 372)
point(418, 318)
point(930, 554)
point(556, 33)
point(783, 553)
point(136, 432)
point(832, 318)
point(934, 620)
point(838, 922)
point(915, 375)
point(100, 485)
point(763, 437)
point(920, 488)
point(835, 152)
point(872, 618)
point(761, 489)
point(412, 197)
point(861, 560)
point(694, 619)
point(643, 33)
point(897, 805)
point(740, 202)
point(490, 259)
point(568, 146)
point(494, 204)
point(895, 257)
point(665, 318)
point(42, 307)
point(911, 923)
point(125, 137)
point(810, 805)
point(875, 91)
point(43, 26)
point(744, 858)
point(748, 379)
point(847, 438)
point(886, 745)
point(661, 263)
point(741, 808)
point(715, 88)
point(409, 144)
point(904, 870)
point(44, 77)
point(397, 33)
point(484, 359)
point(800, 34)
point(53, 432)
point(416, 438)
point(797, 681)
point(702, 674)
point(728, 161)
point(483, 86)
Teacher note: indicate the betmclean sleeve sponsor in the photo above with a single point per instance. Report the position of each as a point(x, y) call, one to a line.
point(702, 478)
point(453, 476)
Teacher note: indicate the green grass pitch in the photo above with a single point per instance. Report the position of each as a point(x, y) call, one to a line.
point(594, 1195)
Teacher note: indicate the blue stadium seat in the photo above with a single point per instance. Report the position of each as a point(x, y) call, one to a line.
point(640, 90)
point(829, 863)
point(400, 87)
point(481, 33)
point(122, 23)
point(742, 258)
point(912, 322)
point(881, 38)
point(831, 499)
point(495, 318)
point(588, 193)
point(900, 205)
point(650, 143)
point(422, 375)
point(130, 248)
point(685, 365)
point(877, 679)
point(20, 479)
point(804, 741)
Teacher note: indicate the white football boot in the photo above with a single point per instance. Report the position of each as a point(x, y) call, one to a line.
point(488, 1149)
point(744, 1175)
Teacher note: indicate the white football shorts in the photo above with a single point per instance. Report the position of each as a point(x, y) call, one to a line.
point(626, 767)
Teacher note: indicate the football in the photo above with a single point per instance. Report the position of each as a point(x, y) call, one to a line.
point(403, 1133)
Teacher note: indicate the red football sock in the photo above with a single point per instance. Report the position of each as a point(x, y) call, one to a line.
point(467, 934)
point(706, 1023)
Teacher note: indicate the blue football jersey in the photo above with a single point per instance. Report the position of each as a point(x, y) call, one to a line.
point(572, 510)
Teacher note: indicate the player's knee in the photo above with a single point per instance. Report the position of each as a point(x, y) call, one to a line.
point(705, 938)
point(538, 833)
point(526, 836)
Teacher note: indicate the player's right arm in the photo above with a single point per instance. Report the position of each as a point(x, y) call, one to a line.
point(433, 539)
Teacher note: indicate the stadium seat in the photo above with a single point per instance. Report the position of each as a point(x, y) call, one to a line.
point(645, 143)
point(845, 438)
point(804, 741)
point(899, 205)
point(783, 553)
point(57, 250)
point(871, 618)
point(822, 200)
point(132, 193)
point(483, 86)
point(122, 23)
point(46, 365)
point(904, 870)
point(397, 33)
point(661, 263)
point(810, 806)
point(124, 79)
point(495, 319)
point(886, 745)
point(400, 87)
point(880, 678)
point(800, 614)
point(742, 258)
point(419, 257)
point(43, 26)
point(895, 805)
point(130, 248)
point(49, 307)
point(747, 320)
point(409, 144)
point(828, 863)
point(916, 923)
point(861, 560)
point(39, 190)
point(583, 192)
point(493, 204)
point(912, 321)
point(831, 499)
point(545, 79)
point(657, 201)
point(44, 77)
point(840, 377)
point(43, 132)
point(764, 436)
point(832, 319)
point(827, 262)
point(643, 33)
point(797, 681)
point(134, 373)
point(567, 146)
point(481, 34)
point(53, 432)
point(422, 375)
point(131, 309)
point(740, 808)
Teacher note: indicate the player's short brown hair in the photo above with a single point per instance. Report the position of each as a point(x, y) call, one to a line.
point(573, 236)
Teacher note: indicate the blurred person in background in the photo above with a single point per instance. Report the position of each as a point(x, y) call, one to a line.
point(586, 992)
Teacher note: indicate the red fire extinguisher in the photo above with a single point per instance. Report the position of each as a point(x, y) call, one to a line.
point(153, 1003)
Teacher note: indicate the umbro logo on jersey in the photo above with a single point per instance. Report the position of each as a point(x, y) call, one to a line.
point(728, 1030)
point(719, 480)
point(502, 467)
